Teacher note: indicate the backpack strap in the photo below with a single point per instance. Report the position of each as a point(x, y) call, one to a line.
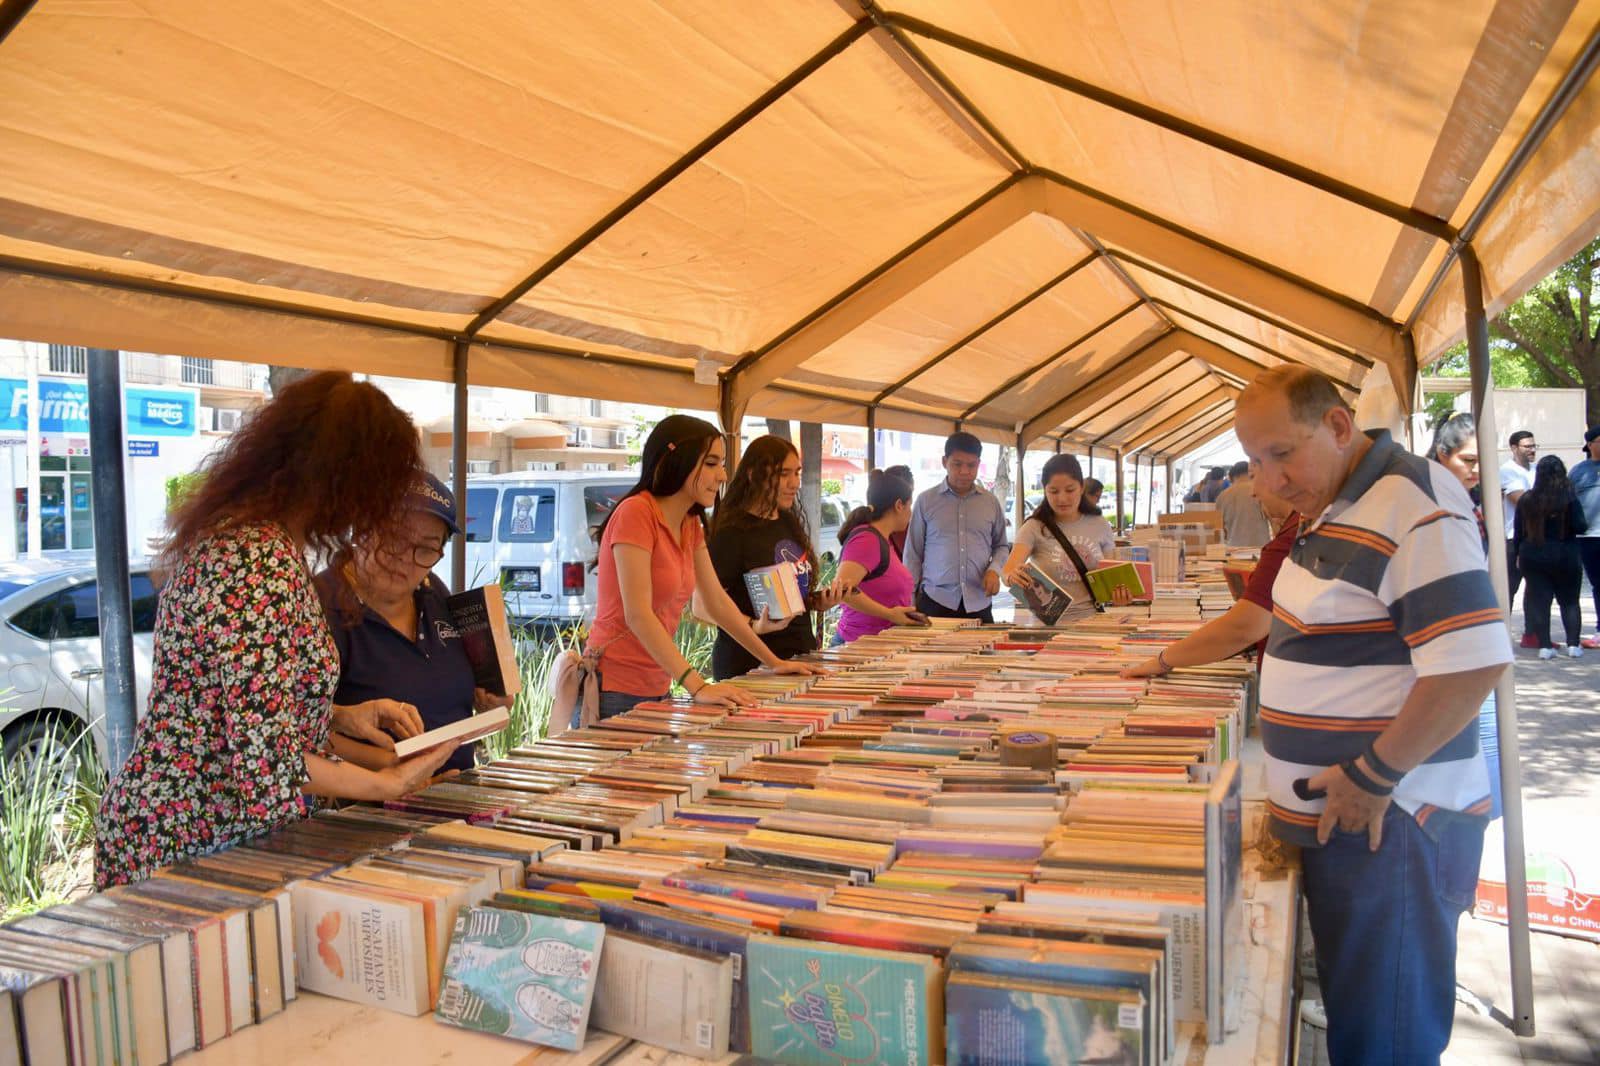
point(883, 550)
point(1077, 560)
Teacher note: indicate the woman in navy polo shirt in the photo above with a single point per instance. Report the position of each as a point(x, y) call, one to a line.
point(392, 626)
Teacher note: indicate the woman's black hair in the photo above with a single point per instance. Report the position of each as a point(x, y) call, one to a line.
point(752, 492)
point(1056, 464)
point(672, 454)
point(1549, 498)
point(1091, 486)
point(1450, 434)
point(884, 490)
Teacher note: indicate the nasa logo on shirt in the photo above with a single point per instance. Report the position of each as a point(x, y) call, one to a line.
point(787, 551)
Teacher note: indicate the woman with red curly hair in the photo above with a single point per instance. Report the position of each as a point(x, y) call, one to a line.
point(241, 695)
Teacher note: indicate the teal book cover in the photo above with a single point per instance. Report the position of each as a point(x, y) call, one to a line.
point(999, 1021)
point(824, 1004)
point(527, 976)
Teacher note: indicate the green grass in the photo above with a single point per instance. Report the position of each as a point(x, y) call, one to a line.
point(47, 811)
point(530, 712)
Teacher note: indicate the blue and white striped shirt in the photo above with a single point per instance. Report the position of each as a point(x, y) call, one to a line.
point(1387, 586)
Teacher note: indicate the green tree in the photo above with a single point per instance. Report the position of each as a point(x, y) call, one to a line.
point(1547, 339)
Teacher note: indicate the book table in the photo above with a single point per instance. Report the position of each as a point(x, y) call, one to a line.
point(315, 1028)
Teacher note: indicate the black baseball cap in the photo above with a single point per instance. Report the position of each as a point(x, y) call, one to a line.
point(1594, 431)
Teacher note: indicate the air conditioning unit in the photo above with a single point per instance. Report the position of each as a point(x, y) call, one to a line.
point(582, 436)
point(228, 419)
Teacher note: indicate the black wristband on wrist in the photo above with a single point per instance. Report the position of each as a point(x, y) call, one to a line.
point(1379, 767)
point(1359, 778)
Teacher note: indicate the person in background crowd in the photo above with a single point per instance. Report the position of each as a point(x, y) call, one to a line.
point(1455, 447)
point(244, 670)
point(759, 523)
point(1249, 620)
point(1585, 479)
point(1516, 478)
point(956, 543)
point(1549, 520)
point(652, 561)
point(870, 565)
point(1386, 637)
point(1093, 489)
point(1063, 541)
point(1209, 488)
point(900, 470)
point(391, 624)
point(1245, 523)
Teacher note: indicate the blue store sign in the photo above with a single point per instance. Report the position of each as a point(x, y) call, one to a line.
point(64, 408)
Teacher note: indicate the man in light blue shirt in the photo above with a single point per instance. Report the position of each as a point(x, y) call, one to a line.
point(956, 545)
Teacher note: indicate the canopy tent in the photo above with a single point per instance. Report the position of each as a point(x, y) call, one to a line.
point(1020, 217)
point(1088, 223)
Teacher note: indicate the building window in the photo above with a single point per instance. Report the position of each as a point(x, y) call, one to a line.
point(597, 466)
point(541, 403)
point(477, 466)
point(597, 408)
point(538, 464)
point(69, 359)
point(198, 371)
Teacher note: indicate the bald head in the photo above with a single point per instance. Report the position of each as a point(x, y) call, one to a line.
point(1310, 395)
point(1300, 435)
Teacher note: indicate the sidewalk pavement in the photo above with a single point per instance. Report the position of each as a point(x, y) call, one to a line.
point(1558, 703)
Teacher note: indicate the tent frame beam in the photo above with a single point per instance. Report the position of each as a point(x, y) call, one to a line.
point(1410, 217)
point(1189, 416)
point(1178, 447)
point(1148, 409)
point(1227, 301)
point(1011, 309)
point(1260, 346)
point(573, 248)
point(1051, 360)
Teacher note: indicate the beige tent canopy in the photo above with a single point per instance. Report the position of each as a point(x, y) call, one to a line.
point(1084, 221)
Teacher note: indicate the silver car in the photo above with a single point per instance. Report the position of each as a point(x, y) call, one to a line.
point(52, 690)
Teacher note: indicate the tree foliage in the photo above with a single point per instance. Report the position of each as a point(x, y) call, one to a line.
point(1548, 338)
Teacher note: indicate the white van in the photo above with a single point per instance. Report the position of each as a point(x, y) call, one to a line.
point(530, 532)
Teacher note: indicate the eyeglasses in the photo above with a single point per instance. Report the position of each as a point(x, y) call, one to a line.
point(426, 554)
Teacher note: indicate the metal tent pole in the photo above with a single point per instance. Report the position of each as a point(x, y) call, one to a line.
point(1022, 485)
point(1118, 506)
point(109, 502)
point(1169, 486)
point(458, 464)
point(872, 436)
point(1506, 688)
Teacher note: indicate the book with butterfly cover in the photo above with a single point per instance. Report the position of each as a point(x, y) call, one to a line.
point(361, 946)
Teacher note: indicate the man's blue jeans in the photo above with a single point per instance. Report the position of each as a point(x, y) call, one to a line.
point(1385, 929)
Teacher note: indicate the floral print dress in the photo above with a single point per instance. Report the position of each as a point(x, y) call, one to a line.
point(241, 692)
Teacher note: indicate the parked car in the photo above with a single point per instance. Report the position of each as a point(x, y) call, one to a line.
point(835, 509)
point(50, 656)
point(531, 532)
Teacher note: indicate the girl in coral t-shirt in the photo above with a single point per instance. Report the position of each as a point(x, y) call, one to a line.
point(652, 560)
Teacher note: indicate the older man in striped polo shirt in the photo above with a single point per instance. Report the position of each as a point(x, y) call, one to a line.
point(1386, 638)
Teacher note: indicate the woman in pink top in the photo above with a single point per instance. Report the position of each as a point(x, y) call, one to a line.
point(652, 559)
point(870, 564)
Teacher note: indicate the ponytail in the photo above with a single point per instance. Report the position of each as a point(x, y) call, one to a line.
point(884, 490)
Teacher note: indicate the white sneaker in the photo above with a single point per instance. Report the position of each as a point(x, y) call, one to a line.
point(1574, 651)
point(1547, 653)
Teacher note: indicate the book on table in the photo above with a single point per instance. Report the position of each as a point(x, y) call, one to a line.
point(775, 589)
point(480, 617)
point(526, 976)
point(673, 997)
point(1045, 597)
